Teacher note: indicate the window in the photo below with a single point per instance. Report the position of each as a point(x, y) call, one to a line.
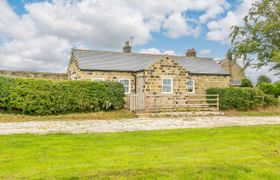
point(167, 85)
point(191, 86)
point(98, 79)
point(126, 84)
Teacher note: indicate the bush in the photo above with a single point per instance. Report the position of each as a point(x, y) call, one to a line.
point(245, 82)
point(42, 97)
point(241, 98)
point(263, 79)
point(272, 89)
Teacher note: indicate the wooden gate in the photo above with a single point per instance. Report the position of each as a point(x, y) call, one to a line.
point(164, 103)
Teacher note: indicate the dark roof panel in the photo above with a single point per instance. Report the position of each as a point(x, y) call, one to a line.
point(119, 61)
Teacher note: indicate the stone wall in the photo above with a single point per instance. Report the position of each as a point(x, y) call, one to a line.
point(30, 74)
point(165, 68)
point(203, 82)
point(109, 76)
point(235, 70)
point(152, 88)
point(73, 71)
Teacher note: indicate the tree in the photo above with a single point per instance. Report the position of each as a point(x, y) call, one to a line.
point(257, 41)
point(245, 82)
point(263, 79)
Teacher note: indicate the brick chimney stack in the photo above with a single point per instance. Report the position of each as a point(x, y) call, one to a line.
point(191, 53)
point(127, 47)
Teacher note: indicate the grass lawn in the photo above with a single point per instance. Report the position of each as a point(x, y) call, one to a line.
point(217, 153)
point(109, 115)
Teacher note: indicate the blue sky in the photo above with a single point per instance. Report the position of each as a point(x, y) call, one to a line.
point(38, 35)
point(160, 41)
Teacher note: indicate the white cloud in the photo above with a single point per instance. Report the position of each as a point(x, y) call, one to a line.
point(205, 52)
point(177, 26)
point(157, 51)
point(42, 38)
point(212, 13)
point(219, 30)
point(46, 53)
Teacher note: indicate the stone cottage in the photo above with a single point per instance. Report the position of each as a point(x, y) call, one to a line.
point(150, 80)
point(236, 72)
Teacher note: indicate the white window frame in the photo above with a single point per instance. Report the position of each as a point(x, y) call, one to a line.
point(193, 88)
point(124, 79)
point(166, 78)
point(98, 79)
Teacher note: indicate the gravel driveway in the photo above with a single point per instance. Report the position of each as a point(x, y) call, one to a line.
point(87, 126)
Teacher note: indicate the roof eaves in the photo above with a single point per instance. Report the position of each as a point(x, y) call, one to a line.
point(213, 74)
point(113, 70)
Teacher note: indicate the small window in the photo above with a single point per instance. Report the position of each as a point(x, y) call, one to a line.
point(191, 86)
point(167, 85)
point(126, 84)
point(98, 79)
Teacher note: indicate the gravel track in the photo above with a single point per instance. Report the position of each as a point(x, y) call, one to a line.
point(137, 124)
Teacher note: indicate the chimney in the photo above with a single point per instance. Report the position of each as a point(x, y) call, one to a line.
point(229, 55)
point(191, 53)
point(127, 47)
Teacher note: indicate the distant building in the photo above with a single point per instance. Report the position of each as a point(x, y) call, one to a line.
point(236, 72)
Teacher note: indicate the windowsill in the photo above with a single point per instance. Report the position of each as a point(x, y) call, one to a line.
point(167, 93)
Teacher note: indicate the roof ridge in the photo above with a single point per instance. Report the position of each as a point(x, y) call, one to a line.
point(137, 53)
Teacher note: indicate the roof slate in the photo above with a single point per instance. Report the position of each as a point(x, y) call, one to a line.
point(133, 62)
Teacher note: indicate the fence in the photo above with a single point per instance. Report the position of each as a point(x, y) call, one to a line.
point(161, 103)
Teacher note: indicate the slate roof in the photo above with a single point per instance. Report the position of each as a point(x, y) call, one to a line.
point(134, 62)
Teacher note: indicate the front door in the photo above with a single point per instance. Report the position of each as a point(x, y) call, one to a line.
point(140, 95)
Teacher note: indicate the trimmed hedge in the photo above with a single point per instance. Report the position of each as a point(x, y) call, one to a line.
point(241, 98)
point(42, 97)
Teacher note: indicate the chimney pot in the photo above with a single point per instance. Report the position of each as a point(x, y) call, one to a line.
point(127, 47)
point(191, 53)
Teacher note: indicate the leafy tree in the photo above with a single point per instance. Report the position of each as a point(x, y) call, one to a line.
point(263, 79)
point(257, 41)
point(246, 82)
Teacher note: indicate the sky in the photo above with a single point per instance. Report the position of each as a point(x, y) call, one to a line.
point(37, 35)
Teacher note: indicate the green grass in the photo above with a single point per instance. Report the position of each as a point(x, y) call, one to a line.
point(218, 153)
point(102, 115)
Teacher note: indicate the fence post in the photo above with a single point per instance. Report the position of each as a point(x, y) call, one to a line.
point(131, 102)
point(218, 102)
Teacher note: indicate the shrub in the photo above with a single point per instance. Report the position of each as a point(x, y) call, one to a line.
point(241, 98)
point(263, 79)
point(42, 97)
point(245, 82)
point(272, 89)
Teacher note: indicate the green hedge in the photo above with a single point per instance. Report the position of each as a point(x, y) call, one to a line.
point(268, 88)
point(241, 98)
point(42, 97)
